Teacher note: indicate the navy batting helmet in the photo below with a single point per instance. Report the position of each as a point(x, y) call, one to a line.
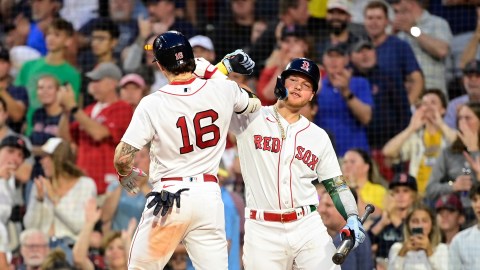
point(172, 49)
point(298, 65)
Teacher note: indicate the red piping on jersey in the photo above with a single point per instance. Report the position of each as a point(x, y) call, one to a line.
point(291, 161)
point(278, 175)
point(183, 82)
point(201, 87)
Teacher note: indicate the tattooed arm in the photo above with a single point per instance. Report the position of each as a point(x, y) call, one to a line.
point(123, 160)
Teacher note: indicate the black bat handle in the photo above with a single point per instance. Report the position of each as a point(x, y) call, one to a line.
point(347, 244)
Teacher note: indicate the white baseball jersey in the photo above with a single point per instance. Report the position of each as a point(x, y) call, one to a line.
point(283, 171)
point(187, 124)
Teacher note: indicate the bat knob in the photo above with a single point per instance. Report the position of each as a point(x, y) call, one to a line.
point(338, 258)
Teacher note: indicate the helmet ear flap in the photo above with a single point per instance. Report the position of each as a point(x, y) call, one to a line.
point(280, 91)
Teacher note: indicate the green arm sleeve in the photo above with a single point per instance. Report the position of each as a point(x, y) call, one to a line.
point(341, 196)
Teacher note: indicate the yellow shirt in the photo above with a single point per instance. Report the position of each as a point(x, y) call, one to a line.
point(317, 8)
point(433, 143)
point(373, 193)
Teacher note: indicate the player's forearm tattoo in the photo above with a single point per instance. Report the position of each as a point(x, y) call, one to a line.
point(124, 155)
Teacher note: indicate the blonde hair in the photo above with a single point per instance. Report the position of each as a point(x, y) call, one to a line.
point(56, 260)
point(64, 161)
point(434, 236)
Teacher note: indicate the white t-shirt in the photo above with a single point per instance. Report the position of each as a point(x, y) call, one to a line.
point(187, 125)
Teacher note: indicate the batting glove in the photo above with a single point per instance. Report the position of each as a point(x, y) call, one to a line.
point(163, 200)
point(129, 182)
point(238, 62)
point(354, 229)
point(205, 70)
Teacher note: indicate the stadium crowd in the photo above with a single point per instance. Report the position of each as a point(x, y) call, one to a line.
point(399, 97)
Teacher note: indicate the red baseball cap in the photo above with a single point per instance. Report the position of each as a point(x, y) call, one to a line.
point(449, 201)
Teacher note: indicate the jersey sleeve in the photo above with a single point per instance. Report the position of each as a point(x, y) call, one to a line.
point(328, 166)
point(140, 131)
point(241, 98)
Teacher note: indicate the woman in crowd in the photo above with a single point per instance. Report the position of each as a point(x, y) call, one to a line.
point(421, 247)
point(57, 201)
point(452, 171)
point(358, 167)
point(424, 138)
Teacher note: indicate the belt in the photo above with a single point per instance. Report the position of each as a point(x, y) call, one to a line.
point(200, 178)
point(294, 214)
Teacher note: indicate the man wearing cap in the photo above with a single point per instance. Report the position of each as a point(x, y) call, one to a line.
point(471, 83)
point(98, 128)
point(338, 21)
point(345, 102)
point(132, 89)
point(203, 47)
point(450, 216)
point(15, 97)
point(388, 230)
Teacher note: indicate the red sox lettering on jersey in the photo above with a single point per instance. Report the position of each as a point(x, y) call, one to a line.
point(266, 143)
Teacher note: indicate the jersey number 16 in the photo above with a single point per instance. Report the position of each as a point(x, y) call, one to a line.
point(199, 131)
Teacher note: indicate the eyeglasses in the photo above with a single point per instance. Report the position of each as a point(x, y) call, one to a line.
point(35, 246)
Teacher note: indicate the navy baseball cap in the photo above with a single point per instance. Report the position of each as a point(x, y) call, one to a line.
point(403, 179)
point(16, 142)
point(472, 67)
point(338, 48)
point(294, 31)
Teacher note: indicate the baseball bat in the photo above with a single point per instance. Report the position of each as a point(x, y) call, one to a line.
point(347, 244)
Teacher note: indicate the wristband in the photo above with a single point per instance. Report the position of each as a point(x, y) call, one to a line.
point(221, 67)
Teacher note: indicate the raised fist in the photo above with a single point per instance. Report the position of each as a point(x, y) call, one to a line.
point(239, 62)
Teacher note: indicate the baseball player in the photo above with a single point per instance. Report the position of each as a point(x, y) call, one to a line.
point(281, 152)
point(186, 122)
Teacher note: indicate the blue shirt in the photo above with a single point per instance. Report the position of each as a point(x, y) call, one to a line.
point(128, 207)
point(19, 93)
point(359, 258)
point(395, 57)
point(452, 108)
point(337, 119)
point(36, 39)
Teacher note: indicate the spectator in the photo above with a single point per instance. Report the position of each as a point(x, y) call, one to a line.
point(471, 49)
point(163, 18)
point(361, 257)
point(290, 12)
point(388, 229)
point(345, 102)
point(358, 167)
point(13, 152)
point(452, 171)
point(391, 112)
point(79, 13)
point(121, 13)
point(338, 20)
point(421, 247)
point(114, 245)
point(57, 201)
point(394, 56)
point(34, 249)
point(44, 12)
point(471, 83)
point(464, 247)
point(428, 35)
point(239, 19)
point(258, 27)
point(56, 260)
point(294, 43)
point(45, 119)
point(132, 89)
point(203, 47)
point(97, 129)
point(15, 97)
point(59, 35)
point(120, 206)
point(450, 217)
point(423, 140)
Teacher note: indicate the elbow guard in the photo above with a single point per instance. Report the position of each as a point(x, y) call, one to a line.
point(254, 104)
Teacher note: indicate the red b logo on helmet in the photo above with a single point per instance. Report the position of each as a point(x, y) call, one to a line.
point(305, 66)
point(178, 56)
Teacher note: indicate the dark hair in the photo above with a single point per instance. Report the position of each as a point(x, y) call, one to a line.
point(439, 93)
point(377, 4)
point(475, 190)
point(457, 145)
point(107, 25)
point(188, 66)
point(367, 159)
point(285, 5)
point(4, 104)
point(63, 25)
